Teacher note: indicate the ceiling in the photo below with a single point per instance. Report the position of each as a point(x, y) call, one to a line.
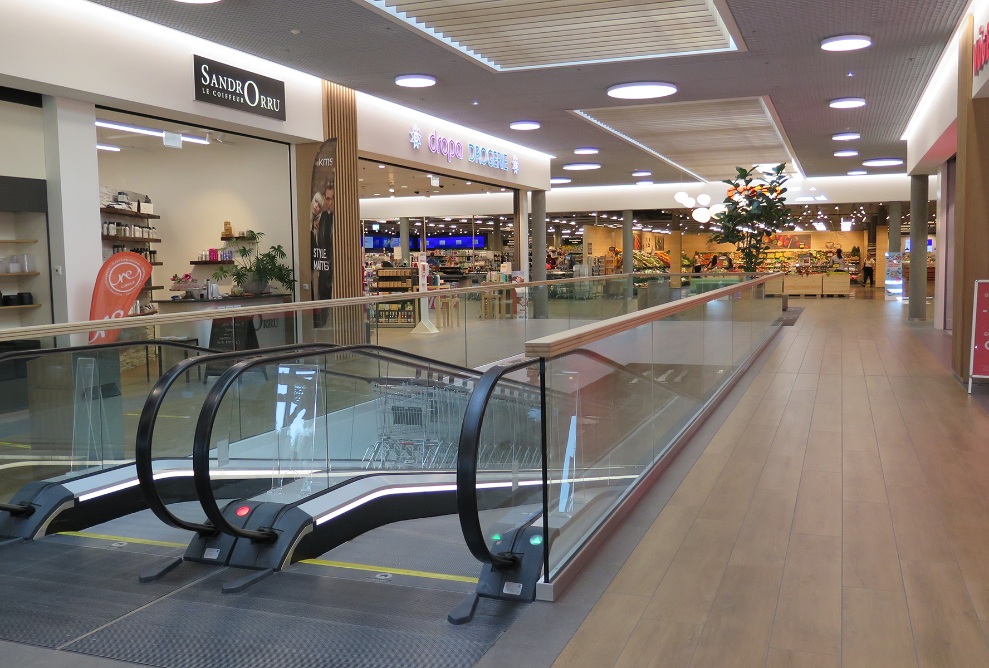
point(364, 45)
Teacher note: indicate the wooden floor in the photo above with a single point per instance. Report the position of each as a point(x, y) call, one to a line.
point(840, 516)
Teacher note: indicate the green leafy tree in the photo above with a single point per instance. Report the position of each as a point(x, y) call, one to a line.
point(754, 210)
point(253, 266)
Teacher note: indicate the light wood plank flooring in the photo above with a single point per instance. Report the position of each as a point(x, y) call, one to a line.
point(850, 528)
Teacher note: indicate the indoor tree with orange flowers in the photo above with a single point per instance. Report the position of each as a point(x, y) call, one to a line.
point(755, 210)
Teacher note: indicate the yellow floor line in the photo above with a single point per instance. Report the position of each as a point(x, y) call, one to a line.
point(120, 539)
point(23, 446)
point(393, 571)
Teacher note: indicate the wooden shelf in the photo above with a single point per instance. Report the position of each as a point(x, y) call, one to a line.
point(127, 213)
point(235, 238)
point(14, 274)
point(157, 264)
point(21, 306)
point(18, 241)
point(115, 238)
point(211, 262)
point(149, 288)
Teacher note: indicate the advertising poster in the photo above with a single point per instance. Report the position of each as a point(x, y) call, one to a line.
point(980, 332)
point(117, 285)
point(321, 226)
point(792, 241)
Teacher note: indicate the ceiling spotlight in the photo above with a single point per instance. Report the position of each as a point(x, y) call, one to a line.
point(107, 147)
point(645, 182)
point(847, 103)
point(415, 81)
point(524, 125)
point(587, 150)
point(581, 166)
point(847, 153)
point(641, 90)
point(857, 172)
point(882, 162)
point(846, 136)
point(559, 180)
point(639, 173)
point(846, 43)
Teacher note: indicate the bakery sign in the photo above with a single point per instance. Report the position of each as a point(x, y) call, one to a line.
point(453, 149)
point(228, 86)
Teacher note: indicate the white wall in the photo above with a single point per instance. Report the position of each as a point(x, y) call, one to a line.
point(84, 51)
point(196, 188)
point(23, 140)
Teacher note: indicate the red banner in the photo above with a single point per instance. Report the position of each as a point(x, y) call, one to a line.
point(119, 282)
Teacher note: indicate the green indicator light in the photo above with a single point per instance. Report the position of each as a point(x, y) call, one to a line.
point(536, 540)
point(496, 537)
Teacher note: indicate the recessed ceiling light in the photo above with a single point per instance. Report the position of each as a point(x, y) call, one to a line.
point(381, 166)
point(846, 43)
point(587, 150)
point(848, 153)
point(107, 147)
point(857, 172)
point(295, 31)
point(559, 180)
point(643, 183)
point(847, 103)
point(524, 125)
point(641, 90)
point(415, 81)
point(846, 136)
point(882, 162)
point(639, 173)
point(581, 166)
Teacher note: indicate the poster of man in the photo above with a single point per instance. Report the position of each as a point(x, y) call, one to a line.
point(321, 226)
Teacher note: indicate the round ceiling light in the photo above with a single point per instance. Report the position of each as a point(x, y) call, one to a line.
point(882, 162)
point(857, 172)
point(644, 182)
point(639, 173)
point(846, 43)
point(559, 180)
point(586, 150)
point(524, 125)
point(846, 136)
point(848, 153)
point(847, 103)
point(581, 166)
point(641, 90)
point(415, 81)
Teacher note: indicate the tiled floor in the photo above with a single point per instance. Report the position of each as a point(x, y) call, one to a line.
point(839, 517)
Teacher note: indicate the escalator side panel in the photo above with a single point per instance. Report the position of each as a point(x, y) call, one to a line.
point(47, 498)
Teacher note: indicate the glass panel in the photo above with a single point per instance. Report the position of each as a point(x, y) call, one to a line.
point(510, 459)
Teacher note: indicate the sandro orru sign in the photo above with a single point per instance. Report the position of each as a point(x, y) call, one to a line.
point(228, 86)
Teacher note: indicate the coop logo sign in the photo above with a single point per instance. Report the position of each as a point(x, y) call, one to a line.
point(228, 86)
point(454, 149)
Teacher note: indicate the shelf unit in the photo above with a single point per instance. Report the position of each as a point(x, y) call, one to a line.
point(396, 280)
point(127, 213)
point(21, 306)
point(107, 237)
point(211, 261)
point(15, 276)
point(108, 213)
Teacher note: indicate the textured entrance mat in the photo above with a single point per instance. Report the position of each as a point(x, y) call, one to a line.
point(302, 621)
point(53, 592)
point(790, 315)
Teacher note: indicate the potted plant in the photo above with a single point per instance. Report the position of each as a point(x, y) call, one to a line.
point(252, 270)
point(754, 210)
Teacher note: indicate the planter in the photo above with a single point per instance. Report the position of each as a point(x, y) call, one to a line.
point(254, 286)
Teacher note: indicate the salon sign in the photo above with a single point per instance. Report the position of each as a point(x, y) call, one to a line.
point(229, 86)
point(454, 149)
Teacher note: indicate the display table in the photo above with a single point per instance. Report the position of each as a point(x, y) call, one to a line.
point(803, 284)
point(774, 286)
point(272, 329)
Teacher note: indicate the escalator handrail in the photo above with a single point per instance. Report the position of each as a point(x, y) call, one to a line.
point(211, 408)
point(143, 459)
point(467, 453)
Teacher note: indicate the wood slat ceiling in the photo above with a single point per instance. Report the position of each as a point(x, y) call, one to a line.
point(709, 138)
point(525, 34)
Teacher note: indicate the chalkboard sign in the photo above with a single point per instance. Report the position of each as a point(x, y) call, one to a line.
point(233, 334)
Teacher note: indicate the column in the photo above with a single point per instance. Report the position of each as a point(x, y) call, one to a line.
point(676, 251)
point(539, 297)
point(895, 223)
point(72, 172)
point(522, 233)
point(627, 246)
point(918, 247)
point(944, 264)
point(495, 243)
point(403, 241)
point(971, 234)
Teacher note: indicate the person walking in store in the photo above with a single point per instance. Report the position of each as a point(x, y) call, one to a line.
point(869, 271)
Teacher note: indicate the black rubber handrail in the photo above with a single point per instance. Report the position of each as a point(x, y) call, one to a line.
point(146, 424)
point(40, 352)
point(467, 452)
point(211, 407)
